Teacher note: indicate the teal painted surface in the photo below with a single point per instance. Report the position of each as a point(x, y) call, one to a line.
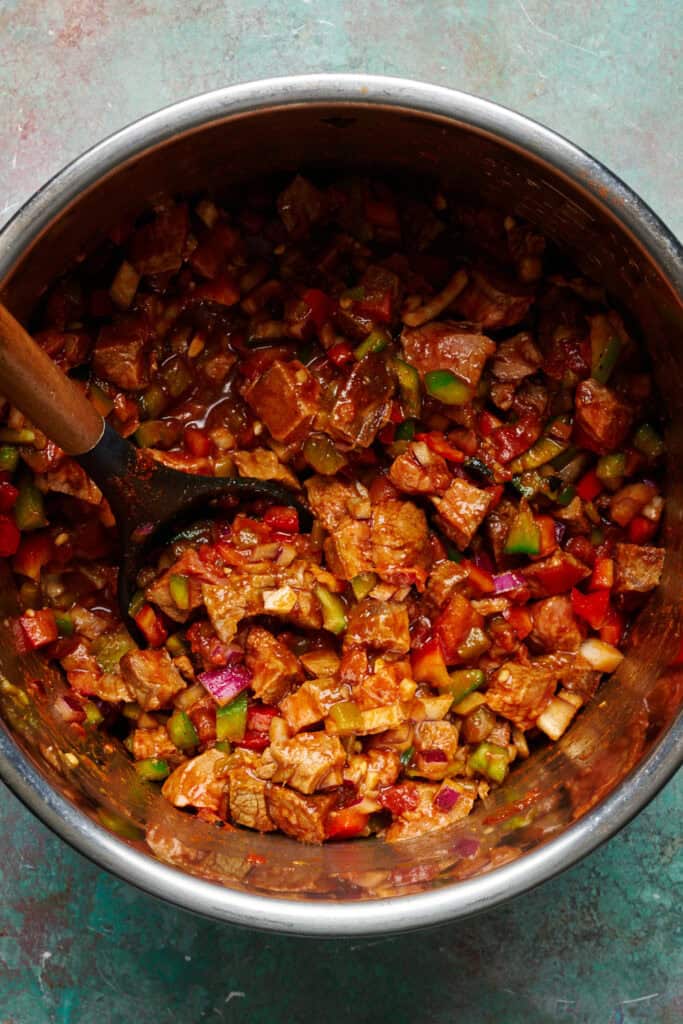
point(603, 942)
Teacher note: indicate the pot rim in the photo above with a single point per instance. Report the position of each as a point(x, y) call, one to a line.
point(459, 899)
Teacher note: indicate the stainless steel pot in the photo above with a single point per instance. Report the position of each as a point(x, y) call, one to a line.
point(620, 751)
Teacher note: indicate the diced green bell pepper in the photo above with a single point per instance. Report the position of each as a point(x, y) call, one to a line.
point(611, 467)
point(524, 536)
point(476, 644)
point(9, 458)
point(10, 436)
point(224, 746)
point(376, 341)
point(409, 387)
point(179, 589)
point(545, 450)
point(152, 402)
point(136, 603)
point(152, 769)
point(447, 388)
point(322, 455)
point(177, 376)
point(491, 760)
point(119, 825)
point(453, 555)
point(604, 359)
point(405, 431)
point(566, 495)
point(334, 613)
point(647, 440)
point(347, 717)
point(93, 715)
point(30, 594)
point(101, 400)
point(231, 720)
point(29, 511)
point(181, 730)
point(464, 681)
point(407, 756)
point(363, 584)
point(175, 645)
point(158, 434)
point(65, 624)
point(111, 647)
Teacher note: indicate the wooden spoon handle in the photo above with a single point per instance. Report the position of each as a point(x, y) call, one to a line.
point(36, 385)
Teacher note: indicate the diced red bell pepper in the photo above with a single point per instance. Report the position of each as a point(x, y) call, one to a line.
point(8, 496)
point(401, 798)
point(603, 574)
point(612, 629)
point(437, 443)
point(487, 423)
point(453, 625)
point(321, 306)
point(589, 486)
point(591, 607)
point(382, 214)
point(34, 551)
point(346, 823)
point(555, 576)
point(678, 658)
point(429, 665)
point(376, 307)
point(197, 442)
point(581, 548)
point(259, 717)
point(151, 626)
point(40, 628)
point(246, 523)
point(546, 526)
point(480, 579)
point(341, 354)
point(282, 519)
point(516, 438)
point(254, 740)
point(520, 620)
point(641, 530)
point(496, 491)
point(9, 537)
point(387, 434)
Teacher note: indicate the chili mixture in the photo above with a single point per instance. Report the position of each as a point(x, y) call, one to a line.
point(473, 427)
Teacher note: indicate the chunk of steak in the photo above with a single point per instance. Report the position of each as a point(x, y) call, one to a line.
point(310, 703)
point(307, 762)
point(154, 743)
point(419, 470)
point(554, 575)
point(262, 464)
point(555, 626)
point(462, 510)
point(443, 579)
point(348, 550)
point(302, 817)
point(152, 677)
point(332, 501)
point(158, 246)
point(516, 358)
point(247, 800)
point(69, 478)
point(602, 418)
point(637, 567)
point(199, 782)
point(362, 402)
point(494, 300)
point(285, 397)
point(422, 813)
point(448, 346)
point(521, 692)
point(275, 669)
point(401, 551)
point(380, 625)
point(120, 354)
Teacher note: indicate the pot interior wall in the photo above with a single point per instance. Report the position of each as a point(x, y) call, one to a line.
point(556, 786)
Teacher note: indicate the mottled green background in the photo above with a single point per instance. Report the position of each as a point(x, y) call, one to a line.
point(602, 943)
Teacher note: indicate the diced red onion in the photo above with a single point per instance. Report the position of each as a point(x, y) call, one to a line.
point(446, 798)
point(466, 847)
point(560, 530)
point(433, 756)
point(69, 709)
point(226, 683)
point(508, 581)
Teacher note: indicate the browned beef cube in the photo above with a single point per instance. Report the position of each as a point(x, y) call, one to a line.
point(263, 464)
point(516, 358)
point(493, 300)
point(555, 626)
point(119, 355)
point(285, 397)
point(348, 549)
point(602, 419)
point(401, 551)
point(247, 800)
point(199, 782)
point(426, 816)
point(159, 246)
point(362, 403)
point(637, 567)
point(152, 677)
point(307, 762)
point(154, 743)
point(381, 625)
point(275, 669)
point(521, 692)
point(443, 579)
point(448, 346)
point(300, 205)
point(462, 510)
point(69, 478)
point(302, 817)
point(556, 574)
point(381, 687)
point(419, 470)
point(440, 735)
point(310, 702)
point(332, 501)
